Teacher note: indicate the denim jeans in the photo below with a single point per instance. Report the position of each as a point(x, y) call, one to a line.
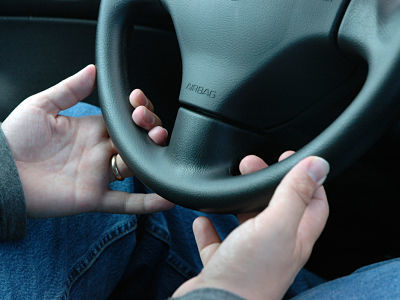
point(377, 281)
point(100, 256)
point(91, 255)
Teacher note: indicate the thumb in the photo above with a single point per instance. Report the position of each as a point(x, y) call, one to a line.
point(207, 238)
point(68, 92)
point(295, 193)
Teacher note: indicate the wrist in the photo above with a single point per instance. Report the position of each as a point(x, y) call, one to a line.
point(209, 293)
point(243, 290)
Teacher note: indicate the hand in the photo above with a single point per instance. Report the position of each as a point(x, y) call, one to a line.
point(64, 162)
point(260, 259)
point(251, 164)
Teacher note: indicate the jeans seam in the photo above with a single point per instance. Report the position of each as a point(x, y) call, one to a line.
point(176, 263)
point(159, 233)
point(173, 259)
point(90, 257)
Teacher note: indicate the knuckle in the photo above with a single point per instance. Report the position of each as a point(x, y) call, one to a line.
point(303, 188)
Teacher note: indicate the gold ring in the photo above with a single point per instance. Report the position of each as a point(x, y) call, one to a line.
point(114, 168)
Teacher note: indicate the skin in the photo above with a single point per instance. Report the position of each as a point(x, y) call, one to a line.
point(261, 258)
point(64, 162)
point(64, 166)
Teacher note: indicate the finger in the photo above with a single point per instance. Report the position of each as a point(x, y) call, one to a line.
point(285, 155)
point(124, 203)
point(295, 192)
point(158, 135)
point(314, 219)
point(251, 164)
point(138, 98)
point(146, 119)
point(68, 92)
point(207, 238)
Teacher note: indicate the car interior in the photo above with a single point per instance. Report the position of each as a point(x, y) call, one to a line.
point(45, 41)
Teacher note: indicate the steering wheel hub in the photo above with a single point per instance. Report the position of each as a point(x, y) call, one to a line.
point(237, 57)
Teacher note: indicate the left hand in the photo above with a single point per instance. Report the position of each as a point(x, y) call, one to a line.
point(64, 162)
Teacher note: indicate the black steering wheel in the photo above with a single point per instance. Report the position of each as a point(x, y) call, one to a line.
point(250, 68)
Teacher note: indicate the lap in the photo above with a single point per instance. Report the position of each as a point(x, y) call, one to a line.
point(86, 256)
point(378, 281)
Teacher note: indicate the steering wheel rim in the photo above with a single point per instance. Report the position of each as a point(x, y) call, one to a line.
point(201, 179)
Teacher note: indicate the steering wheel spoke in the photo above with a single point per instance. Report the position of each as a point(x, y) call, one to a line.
point(370, 29)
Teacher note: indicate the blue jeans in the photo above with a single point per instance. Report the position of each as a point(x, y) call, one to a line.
point(98, 256)
point(377, 281)
point(89, 255)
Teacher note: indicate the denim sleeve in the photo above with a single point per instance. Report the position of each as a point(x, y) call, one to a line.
point(209, 294)
point(12, 200)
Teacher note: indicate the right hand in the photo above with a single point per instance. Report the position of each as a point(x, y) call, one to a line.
point(260, 258)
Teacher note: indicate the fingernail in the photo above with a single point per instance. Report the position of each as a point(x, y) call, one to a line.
point(143, 99)
point(148, 117)
point(165, 130)
point(146, 102)
point(318, 170)
point(156, 136)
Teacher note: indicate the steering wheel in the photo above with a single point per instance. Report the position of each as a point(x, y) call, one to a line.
point(249, 69)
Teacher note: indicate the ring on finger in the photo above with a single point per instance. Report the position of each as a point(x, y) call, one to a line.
point(114, 168)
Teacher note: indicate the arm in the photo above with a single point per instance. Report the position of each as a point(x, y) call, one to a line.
point(12, 201)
